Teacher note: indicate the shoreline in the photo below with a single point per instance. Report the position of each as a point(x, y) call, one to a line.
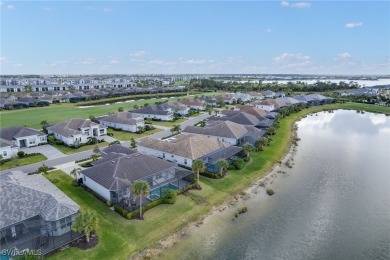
point(230, 201)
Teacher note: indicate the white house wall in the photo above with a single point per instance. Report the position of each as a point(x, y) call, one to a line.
point(124, 127)
point(164, 155)
point(99, 189)
point(8, 152)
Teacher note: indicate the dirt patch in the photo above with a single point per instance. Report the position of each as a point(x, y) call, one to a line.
point(82, 244)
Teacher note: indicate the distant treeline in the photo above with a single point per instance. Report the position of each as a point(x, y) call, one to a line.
point(209, 84)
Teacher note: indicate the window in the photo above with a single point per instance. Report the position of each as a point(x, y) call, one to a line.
point(173, 156)
point(66, 222)
point(5, 153)
point(31, 140)
point(163, 155)
point(84, 179)
point(185, 161)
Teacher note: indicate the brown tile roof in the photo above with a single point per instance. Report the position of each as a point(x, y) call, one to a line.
point(188, 146)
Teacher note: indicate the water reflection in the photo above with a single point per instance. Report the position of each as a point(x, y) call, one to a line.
point(333, 204)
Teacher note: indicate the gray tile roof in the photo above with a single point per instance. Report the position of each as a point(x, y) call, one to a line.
point(186, 145)
point(125, 118)
point(223, 154)
point(7, 135)
point(72, 127)
point(117, 171)
point(238, 117)
point(153, 110)
point(24, 196)
point(226, 129)
point(117, 148)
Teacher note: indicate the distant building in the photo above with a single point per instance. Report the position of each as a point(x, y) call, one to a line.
point(125, 121)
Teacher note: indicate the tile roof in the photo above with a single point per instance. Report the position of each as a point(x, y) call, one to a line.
point(238, 117)
point(117, 148)
point(117, 171)
point(7, 135)
point(186, 145)
point(125, 118)
point(226, 129)
point(72, 127)
point(153, 110)
point(24, 196)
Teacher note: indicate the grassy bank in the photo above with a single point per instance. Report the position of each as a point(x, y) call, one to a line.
point(120, 238)
point(16, 162)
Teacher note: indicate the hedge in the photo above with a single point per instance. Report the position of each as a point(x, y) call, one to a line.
point(211, 175)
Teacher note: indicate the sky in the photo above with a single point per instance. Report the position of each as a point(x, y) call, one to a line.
point(175, 37)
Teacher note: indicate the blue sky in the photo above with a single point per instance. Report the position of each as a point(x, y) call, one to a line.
point(85, 37)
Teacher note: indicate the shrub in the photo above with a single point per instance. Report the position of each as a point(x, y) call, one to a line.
point(169, 194)
point(121, 210)
point(239, 163)
point(232, 167)
point(270, 192)
point(86, 164)
point(114, 142)
point(108, 203)
point(54, 180)
point(211, 175)
point(110, 134)
point(43, 169)
point(21, 154)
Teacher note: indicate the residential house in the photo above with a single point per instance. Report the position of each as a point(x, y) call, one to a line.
point(289, 101)
point(20, 136)
point(314, 99)
point(239, 117)
point(242, 96)
point(76, 131)
point(34, 213)
point(160, 112)
point(11, 88)
point(125, 121)
point(177, 107)
point(227, 131)
point(111, 176)
point(196, 104)
point(182, 149)
point(268, 94)
point(266, 105)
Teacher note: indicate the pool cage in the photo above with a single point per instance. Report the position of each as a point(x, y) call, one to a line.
point(36, 234)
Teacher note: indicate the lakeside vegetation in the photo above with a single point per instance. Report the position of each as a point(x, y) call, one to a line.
point(120, 238)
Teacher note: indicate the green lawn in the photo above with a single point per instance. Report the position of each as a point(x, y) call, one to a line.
point(120, 238)
point(67, 150)
point(23, 161)
point(168, 124)
point(126, 136)
point(55, 113)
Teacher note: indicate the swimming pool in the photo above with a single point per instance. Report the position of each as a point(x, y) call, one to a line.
point(158, 192)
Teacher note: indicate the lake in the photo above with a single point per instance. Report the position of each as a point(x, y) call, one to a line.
point(334, 203)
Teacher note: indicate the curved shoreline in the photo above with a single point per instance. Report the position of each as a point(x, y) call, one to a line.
point(264, 174)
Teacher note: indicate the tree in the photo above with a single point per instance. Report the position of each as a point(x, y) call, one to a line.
point(198, 166)
point(43, 169)
point(261, 142)
point(247, 148)
point(44, 123)
point(96, 150)
point(133, 143)
point(94, 157)
point(140, 189)
point(92, 117)
point(86, 223)
point(21, 154)
point(222, 165)
point(176, 129)
point(141, 129)
point(120, 109)
point(135, 106)
point(271, 130)
point(75, 173)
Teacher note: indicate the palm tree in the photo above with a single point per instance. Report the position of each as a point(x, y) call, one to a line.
point(198, 166)
point(247, 148)
point(223, 165)
point(94, 157)
point(261, 143)
point(86, 222)
point(140, 189)
point(75, 172)
point(133, 143)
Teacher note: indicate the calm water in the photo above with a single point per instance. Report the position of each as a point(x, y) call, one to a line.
point(333, 204)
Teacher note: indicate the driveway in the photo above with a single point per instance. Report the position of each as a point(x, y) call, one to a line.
point(107, 138)
point(47, 150)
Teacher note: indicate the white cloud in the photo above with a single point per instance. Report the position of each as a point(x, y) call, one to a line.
point(353, 25)
point(284, 3)
point(296, 5)
point(301, 5)
point(113, 61)
point(343, 56)
point(287, 57)
point(193, 61)
point(267, 30)
point(106, 10)
point(6, 62)
point(161, 62)
point(139, 53)
point(10, 7)
point(85, 62)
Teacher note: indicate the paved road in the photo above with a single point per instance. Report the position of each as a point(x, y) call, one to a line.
point(65, 159)
point(192, 121)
